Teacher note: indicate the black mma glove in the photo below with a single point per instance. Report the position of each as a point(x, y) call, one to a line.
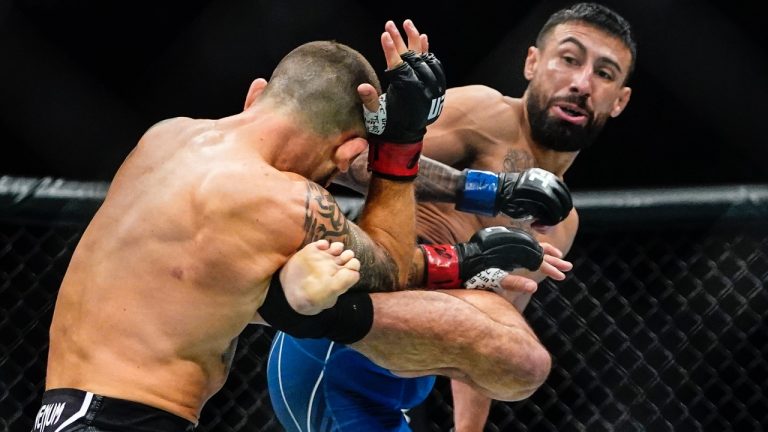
point(414, 99)
point(533, 193)
point(482, 261)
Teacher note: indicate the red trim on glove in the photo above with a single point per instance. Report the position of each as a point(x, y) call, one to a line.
point(442, 266)
point(394, 161)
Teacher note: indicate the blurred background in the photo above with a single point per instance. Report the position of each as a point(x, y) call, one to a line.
point(81, 80)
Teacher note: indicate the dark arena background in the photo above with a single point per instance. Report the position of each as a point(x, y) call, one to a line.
point(661, 326)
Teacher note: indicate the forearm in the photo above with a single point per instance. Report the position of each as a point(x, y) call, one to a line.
point(436, 181)
point(389, 218)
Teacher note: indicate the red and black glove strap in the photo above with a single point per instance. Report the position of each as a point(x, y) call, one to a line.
point(441, 266)
point(394, 161)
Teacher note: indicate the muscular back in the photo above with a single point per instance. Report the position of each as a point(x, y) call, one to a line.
point(172, 267)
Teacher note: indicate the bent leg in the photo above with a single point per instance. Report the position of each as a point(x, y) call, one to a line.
point(471, 335)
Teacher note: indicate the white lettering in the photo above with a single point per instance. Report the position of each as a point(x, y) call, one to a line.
point(48, 414)
point(436, 108)
point(39, 418)
point(536, 174)
point(57, 412)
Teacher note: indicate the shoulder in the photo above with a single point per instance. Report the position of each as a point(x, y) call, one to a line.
point(479, 105)
point(472, 93)
point(483, 115)
point(171, 125)
point(256, 199)
point(171, 131)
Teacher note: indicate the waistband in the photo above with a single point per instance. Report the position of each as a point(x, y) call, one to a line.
point(74, 406)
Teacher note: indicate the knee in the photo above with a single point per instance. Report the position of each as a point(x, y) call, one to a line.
point(536, 370)
point(523, 370)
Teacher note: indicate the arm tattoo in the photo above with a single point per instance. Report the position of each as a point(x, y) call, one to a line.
point(436, 181)
point(324, 220)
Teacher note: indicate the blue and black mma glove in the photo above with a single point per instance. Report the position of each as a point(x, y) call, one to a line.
point(534, 193)
point(413, 100)
point(482, 261)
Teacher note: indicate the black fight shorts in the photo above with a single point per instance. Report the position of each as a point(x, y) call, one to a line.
point(68, 410)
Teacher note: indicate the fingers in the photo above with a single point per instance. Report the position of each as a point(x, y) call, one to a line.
point(397, 38)
point(518, 284)
point(551, 250)
point(414, 39)
point(554, 267)
point(393, 44)
point(558, 263)
point(369, 96)
point(391, 52)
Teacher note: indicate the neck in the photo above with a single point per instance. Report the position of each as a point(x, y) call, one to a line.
point(281, 141)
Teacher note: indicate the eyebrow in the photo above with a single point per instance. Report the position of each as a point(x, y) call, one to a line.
point(583, 48)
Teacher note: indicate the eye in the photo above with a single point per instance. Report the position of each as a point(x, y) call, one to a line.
point(570, 60)
point(605, 74)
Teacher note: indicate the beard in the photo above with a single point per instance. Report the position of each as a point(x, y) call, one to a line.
point(557, 134)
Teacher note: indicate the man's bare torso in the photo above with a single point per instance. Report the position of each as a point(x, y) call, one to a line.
point(169, 271)
point(499, 148)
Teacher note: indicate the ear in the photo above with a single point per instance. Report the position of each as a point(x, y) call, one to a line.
point(257, 86)
point(348, 151)
point(621, 102)
point(531, 60)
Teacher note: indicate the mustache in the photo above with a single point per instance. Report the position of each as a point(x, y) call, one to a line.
point(578, 100)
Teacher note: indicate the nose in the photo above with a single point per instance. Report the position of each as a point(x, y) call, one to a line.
point(581, 82)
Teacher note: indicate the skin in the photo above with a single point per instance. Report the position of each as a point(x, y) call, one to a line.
point(501, 359)
point(574, 59)
point(482, 129)
point(180, 255)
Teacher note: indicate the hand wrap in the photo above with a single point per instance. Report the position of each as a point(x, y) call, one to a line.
point(453, 266)
point(414, 99)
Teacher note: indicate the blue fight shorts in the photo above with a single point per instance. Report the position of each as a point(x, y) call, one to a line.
point(318, 385)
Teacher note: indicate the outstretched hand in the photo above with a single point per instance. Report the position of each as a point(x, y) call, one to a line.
point(393, 45)
point(514, 285)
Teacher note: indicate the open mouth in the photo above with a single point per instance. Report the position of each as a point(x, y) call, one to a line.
point(571, 113)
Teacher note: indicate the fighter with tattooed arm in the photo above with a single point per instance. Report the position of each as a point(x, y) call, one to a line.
point(188, 246)
point(499, 148)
